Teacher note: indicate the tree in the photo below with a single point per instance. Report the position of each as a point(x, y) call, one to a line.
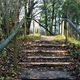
point(71, 7)
point(29, 6)
point(50, 13)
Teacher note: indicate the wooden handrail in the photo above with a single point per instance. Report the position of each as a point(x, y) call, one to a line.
point(73, 26)
point(14, 31)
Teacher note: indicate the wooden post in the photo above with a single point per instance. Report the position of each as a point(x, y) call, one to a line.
point(66, 29)
point(62, 28)
point(0, 52)
point(66, 32)
point(59, 23)
point(55, 24)
point(15, 53)
point(33, 27)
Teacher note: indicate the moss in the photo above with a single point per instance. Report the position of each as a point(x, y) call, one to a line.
point(31, 36)
point(59, 37)
point(72, 40)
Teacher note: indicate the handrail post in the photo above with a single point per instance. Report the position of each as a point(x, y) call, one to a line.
point(15, 53)
point(0, 51)
point(66, 30)
point(62, 28)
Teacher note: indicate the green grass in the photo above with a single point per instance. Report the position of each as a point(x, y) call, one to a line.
point(59, 37)
point(72, 40)
point(30, 36)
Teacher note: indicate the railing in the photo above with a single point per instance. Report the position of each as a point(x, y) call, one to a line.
point(71, 30)
point(9, 47)
point(14, 31)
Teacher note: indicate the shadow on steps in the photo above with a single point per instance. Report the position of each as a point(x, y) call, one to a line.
point(52, 79)
point(62, 79)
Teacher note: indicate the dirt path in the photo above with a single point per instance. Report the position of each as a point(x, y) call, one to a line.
point(45, 59)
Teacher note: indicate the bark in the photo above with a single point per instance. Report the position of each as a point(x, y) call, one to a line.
point(46, 24)
point(55, 25)
point(62, 28)
point(15, 53)
point(59, 23)
point(51, 28)
point(14, 31)
point(43, 27)
point(33, 27)
point(28, 14)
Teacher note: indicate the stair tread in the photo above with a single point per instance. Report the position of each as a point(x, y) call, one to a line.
point(46, 59)
point(50, 45)
point(58, 57)
point(51, 63)
point(49, 74)
point(58, 51)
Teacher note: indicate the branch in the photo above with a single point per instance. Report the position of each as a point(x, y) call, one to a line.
point(15, 30)
point(42, 26)
point(73, 26)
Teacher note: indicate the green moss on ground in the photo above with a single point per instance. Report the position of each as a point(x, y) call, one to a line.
point(72, 40)
point(31, 36)
point(59, 37)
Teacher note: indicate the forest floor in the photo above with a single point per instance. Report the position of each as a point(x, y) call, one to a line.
point(45, 58)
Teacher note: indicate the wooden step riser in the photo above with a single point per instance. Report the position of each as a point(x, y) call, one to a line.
point(43, 68)
point(44, 65)
point(44, 42)
point(15, 79)
point(43, 48)
point(44, 51)
point(43, 54)
point(45, 60)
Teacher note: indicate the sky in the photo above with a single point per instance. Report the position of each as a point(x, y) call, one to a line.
point(37, 17)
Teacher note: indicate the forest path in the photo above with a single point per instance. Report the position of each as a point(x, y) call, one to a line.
point(45, 59)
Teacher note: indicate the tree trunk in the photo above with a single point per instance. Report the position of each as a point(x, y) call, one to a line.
point(62, 28)
point(51, 28)
point(33, 27)
point(46, 24)
point(55, 25)
point(59, 23)
point(15, 53)
point(66, 31)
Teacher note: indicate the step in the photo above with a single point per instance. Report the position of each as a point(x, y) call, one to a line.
point(49, 57)
point(39, 53)
point(54, 51)
point(50, 68)
point(43, 67)
point(45, 63)
point(44, 48)
point(35, 74)
point(15, 79)
point(50, 63)
point(45, 58)
point(48, 42)
point(44, 45)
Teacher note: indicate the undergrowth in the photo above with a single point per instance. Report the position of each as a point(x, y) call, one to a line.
point(30, 36)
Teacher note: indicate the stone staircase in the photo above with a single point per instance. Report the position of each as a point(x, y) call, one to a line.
point(44, 59)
